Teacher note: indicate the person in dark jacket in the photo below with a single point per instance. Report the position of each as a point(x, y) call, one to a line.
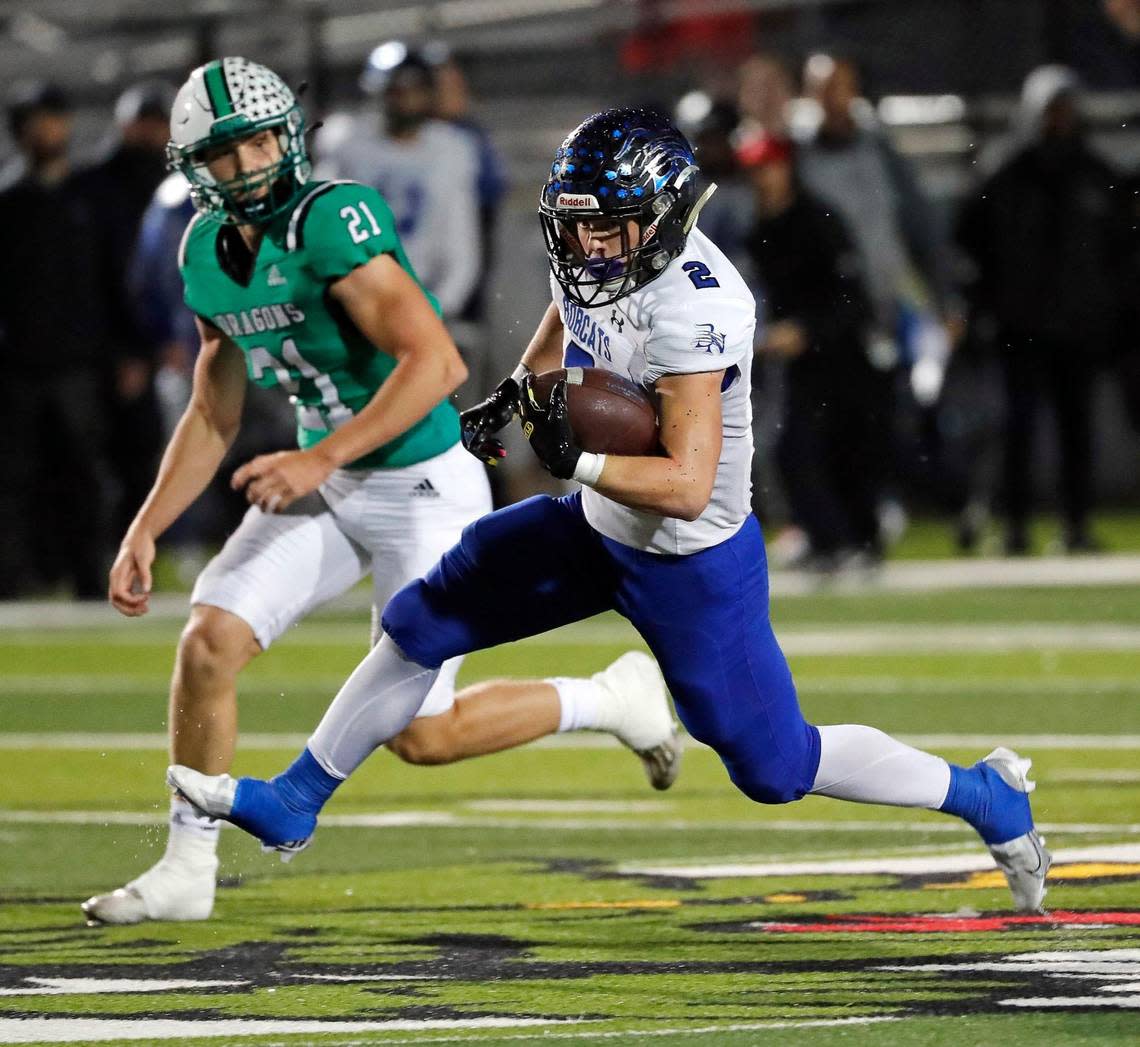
point(1048, 236)
point(835, 442)
point(118, 189)
point(52, 338)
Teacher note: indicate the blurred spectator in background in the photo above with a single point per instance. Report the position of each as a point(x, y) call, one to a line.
point(52, 344)
point(834, 445)
point(453, 105)
point(427, 170)
point(154, 286)
point(765, 95)
point(1125, 15)
point(847, 161)
point(118, 188)
point(1049, 236)
point(709, 125)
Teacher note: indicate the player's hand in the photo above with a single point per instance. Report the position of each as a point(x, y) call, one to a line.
point(479, 424)
point(129, 586)
point(548, 430)
point(273, 482)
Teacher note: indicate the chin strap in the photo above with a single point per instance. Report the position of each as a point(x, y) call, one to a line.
point(695, 210)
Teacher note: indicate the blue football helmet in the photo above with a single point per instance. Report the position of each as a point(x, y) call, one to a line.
point(619, 164)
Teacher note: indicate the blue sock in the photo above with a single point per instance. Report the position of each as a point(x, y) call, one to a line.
point(305, 785)
point(980, 796)
point(284, 809)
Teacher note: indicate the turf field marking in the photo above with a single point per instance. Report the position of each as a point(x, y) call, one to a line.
point(701, 1030)
point(80, 686)
point(570, 806)
point(895, 866)
point(1106, 966)
point(571, 740)
point(1130, 1002)
point(642, 903)
point(1095, 775)
point(99, 986)
point(83, 1030)
point(899, 576)
point(445, 819)
point(990, 637)
point(370, 977)
point(430, 819)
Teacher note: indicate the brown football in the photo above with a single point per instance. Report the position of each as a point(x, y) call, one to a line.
point(609, 414)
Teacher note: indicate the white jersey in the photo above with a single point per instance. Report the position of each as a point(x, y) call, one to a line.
point(697, 316)
point(430, 182)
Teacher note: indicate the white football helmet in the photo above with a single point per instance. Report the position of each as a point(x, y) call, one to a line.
point(228, 99)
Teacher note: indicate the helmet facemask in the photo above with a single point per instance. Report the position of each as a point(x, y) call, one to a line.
point(253, 197)
point(590, 282)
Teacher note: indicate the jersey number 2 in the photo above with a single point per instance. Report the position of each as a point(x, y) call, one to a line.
point(356, 224)
point(700, 275)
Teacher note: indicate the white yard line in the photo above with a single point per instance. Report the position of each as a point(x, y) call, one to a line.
point(95, 1030)
point(897, 637)
point(637, 822)
point(975, 861)
point(898, 576)
point(83, 1030)
point(80, 685)
point(643, 1033)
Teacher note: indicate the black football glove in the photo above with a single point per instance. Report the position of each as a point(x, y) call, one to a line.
point(479, 424)
point(548, 430)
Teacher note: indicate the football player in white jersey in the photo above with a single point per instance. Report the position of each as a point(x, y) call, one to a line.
point(417, 162)
point(667, 540)
point(382, 484)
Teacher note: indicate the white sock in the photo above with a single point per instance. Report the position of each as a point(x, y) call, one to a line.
point(867, 766)
point(191, 846)
point(193, 837)
point(582, 704)
point(379, 699)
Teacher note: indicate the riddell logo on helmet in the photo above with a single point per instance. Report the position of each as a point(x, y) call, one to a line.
point(576, 200)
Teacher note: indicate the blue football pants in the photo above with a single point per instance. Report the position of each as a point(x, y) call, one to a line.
point(538, 565)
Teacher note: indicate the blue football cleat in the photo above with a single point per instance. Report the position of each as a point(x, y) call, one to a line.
point(249, 803)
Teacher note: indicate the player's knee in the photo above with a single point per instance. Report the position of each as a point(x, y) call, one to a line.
point(769, 778)
point(211, 647)
point(426, 742)
point(407, 620)
point(767, 788)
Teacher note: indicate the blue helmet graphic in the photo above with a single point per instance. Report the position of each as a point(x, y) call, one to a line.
point(626, 166)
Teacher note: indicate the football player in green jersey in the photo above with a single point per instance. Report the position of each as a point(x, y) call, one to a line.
point(304, 285)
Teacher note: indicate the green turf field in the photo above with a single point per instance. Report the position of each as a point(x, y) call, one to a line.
point(548, 895)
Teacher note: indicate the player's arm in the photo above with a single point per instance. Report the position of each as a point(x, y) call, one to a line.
point(677, 483)
point(389, 309)
point(204, 433)
point(680, 482)
point(481, 422)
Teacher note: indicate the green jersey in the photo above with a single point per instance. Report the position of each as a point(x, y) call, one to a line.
point(291, 330)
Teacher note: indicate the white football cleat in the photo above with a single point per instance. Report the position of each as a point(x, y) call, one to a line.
point(169, 890)
point(639, 717)
point(1024, 859)
point(212, 794)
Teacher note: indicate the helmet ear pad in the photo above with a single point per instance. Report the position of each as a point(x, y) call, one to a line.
point(670, 231)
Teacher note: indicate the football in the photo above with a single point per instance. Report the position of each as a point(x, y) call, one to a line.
point(609, 414)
